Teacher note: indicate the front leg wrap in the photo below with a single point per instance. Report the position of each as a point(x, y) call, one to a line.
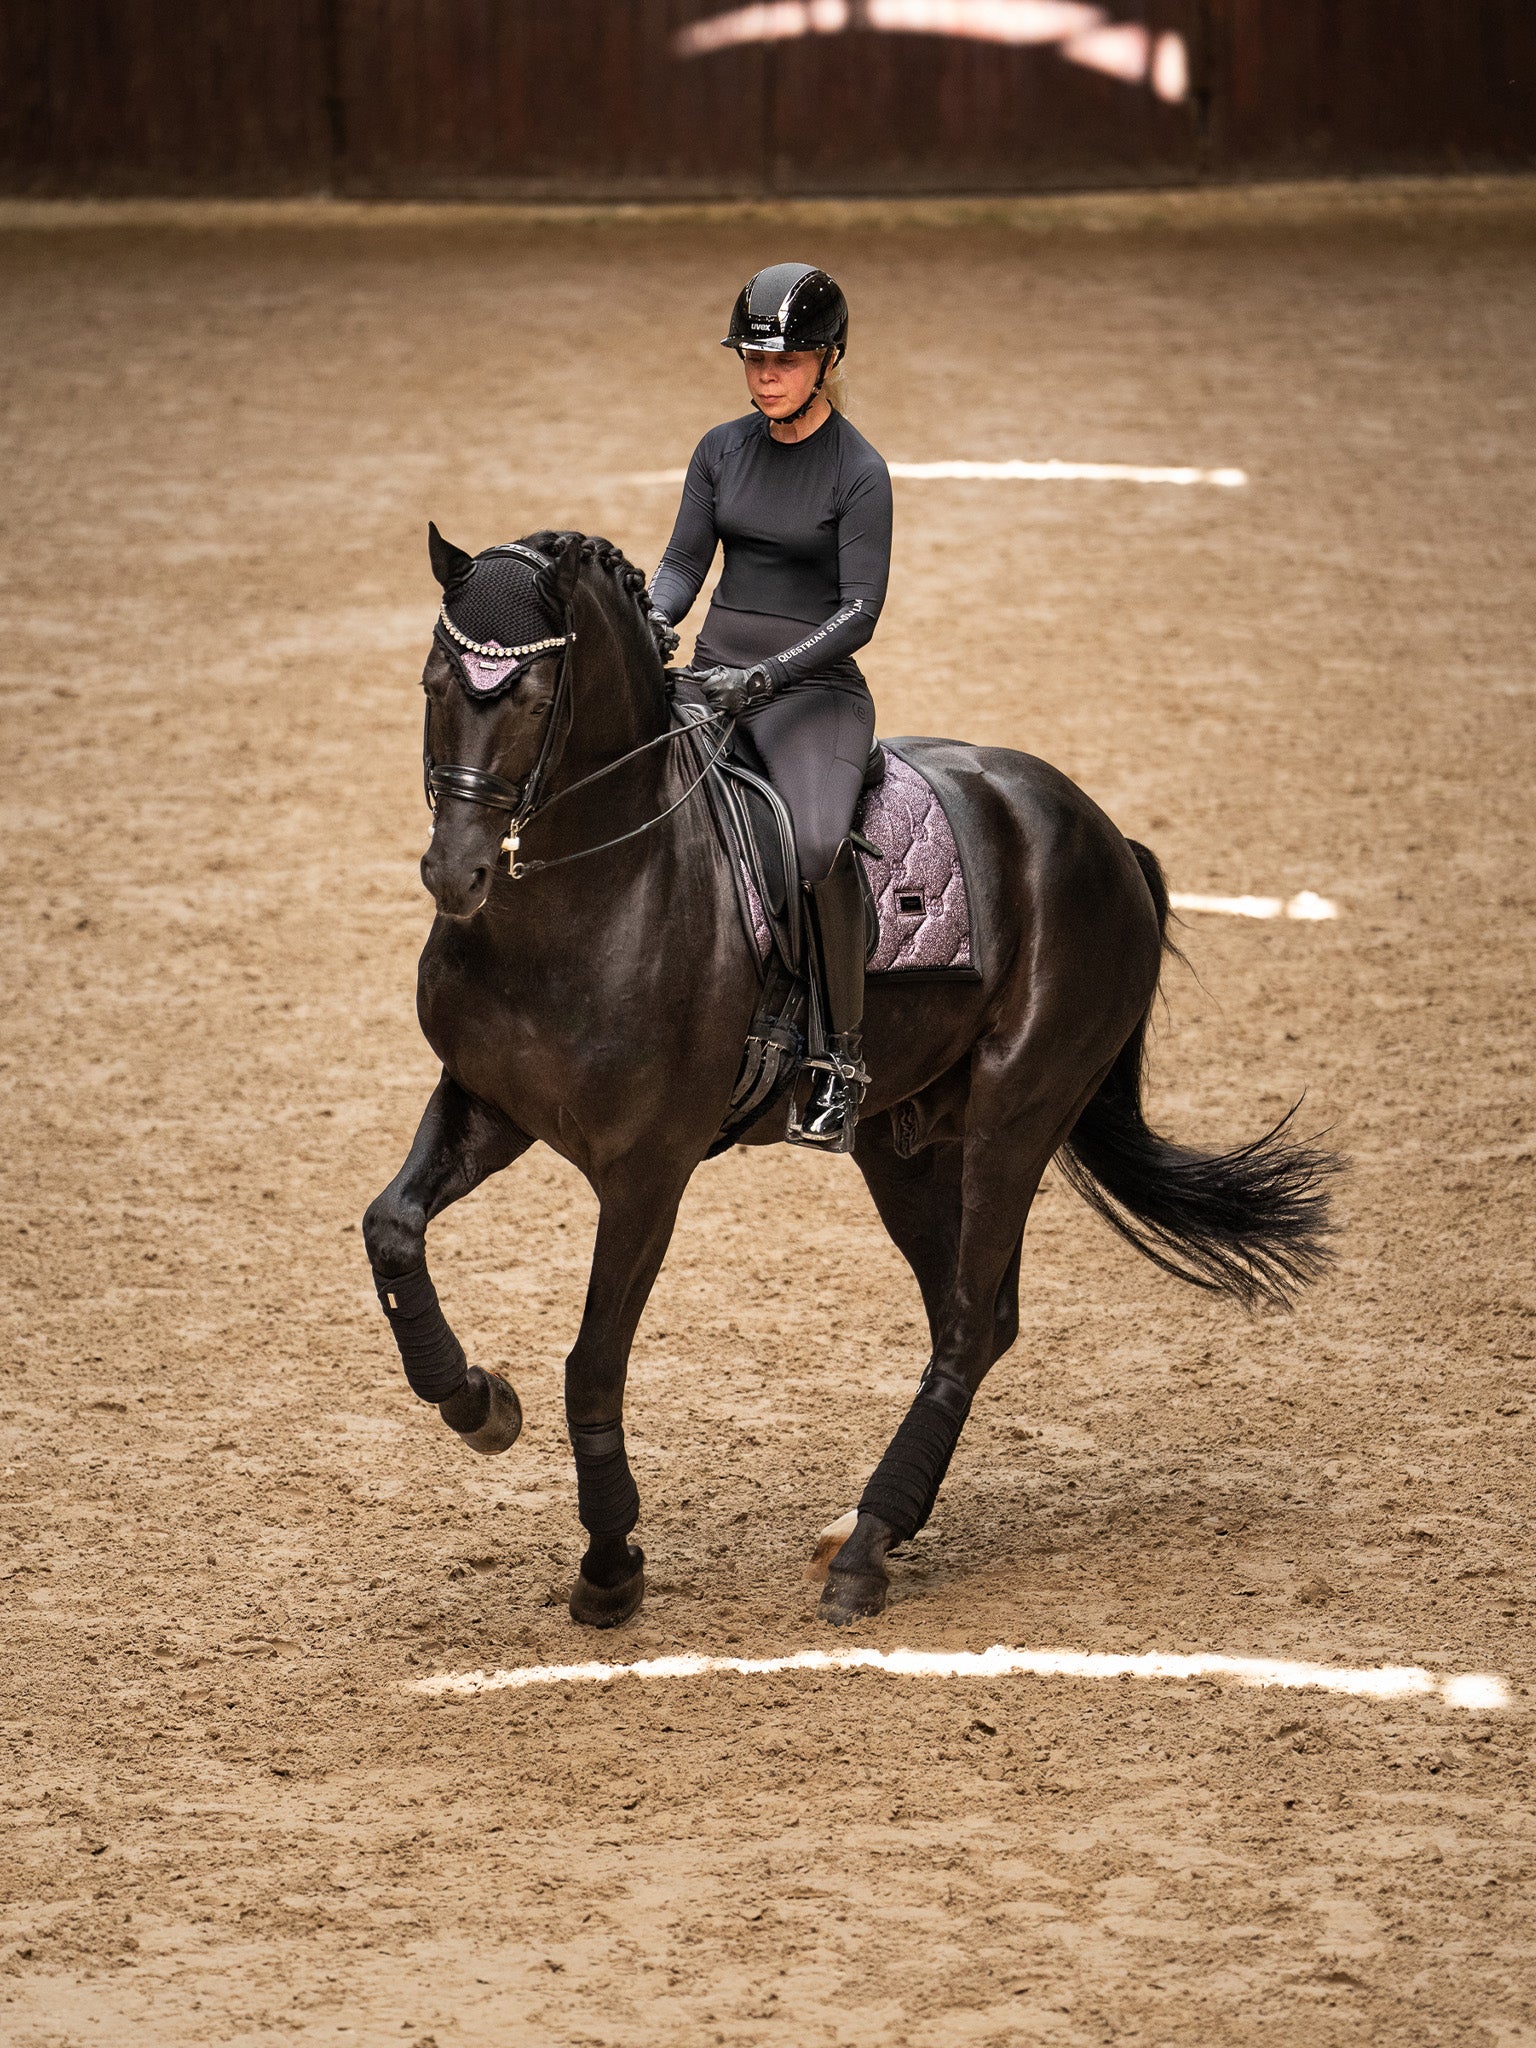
point(607, 1498)
point(431, 1354)
point(906, 1482)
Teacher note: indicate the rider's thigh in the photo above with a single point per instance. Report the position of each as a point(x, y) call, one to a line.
point(815, 743)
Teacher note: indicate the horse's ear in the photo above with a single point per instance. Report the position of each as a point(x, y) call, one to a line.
point(567, 570)
point(449, 564)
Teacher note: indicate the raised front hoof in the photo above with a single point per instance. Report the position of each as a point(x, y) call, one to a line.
point(502, 1422)
point(607, 1606)
point(848, 1597)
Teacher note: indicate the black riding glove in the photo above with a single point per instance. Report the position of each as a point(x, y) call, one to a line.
point(735, 690)
point(666, 635)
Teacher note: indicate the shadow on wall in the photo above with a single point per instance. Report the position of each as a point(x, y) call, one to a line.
point(1081, 34)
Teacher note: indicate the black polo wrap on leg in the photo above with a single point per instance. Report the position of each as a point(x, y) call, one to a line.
point(607, 1498)
point(906, 1482)
point(431, 1354)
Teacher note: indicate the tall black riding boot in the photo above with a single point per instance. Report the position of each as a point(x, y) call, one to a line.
point(837, 917)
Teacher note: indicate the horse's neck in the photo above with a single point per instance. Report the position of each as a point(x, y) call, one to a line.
point(618, 703)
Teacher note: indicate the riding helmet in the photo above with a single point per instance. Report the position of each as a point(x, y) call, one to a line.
point(789, 306)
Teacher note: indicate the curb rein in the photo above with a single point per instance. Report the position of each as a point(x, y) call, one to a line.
point(523, 802)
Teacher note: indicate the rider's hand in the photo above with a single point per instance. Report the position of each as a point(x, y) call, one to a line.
point(666, 634)
point(735, 690)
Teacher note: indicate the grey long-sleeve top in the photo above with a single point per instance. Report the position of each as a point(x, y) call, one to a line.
point(806, 528)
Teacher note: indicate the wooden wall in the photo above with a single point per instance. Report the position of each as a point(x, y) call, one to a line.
point(542, 98)
point(1313, 86)
point(164, 96)
point(586, 98)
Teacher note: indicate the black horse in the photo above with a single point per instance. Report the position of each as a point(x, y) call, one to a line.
point(597, 998)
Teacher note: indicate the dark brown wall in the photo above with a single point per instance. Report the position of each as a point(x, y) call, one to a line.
point(571, 98)
point(483, 97)
point(1308, 86)
point(163, 96)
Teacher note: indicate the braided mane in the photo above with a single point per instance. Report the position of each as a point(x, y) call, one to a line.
point(608, 556)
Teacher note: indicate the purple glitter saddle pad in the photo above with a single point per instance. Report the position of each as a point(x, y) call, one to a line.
point(918, 884)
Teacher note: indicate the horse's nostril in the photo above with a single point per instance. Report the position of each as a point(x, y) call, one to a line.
point(457, 891)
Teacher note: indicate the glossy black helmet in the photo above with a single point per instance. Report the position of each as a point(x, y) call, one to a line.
point(789, 306)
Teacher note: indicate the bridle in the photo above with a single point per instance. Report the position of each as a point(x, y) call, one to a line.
point(522, 802)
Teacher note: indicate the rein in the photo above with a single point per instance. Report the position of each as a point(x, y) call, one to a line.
point(522, 803)
point(478, 786)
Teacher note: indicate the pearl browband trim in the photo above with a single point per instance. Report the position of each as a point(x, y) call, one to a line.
point(494, 648)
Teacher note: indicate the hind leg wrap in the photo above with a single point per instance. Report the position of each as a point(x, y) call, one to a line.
point(607, 1498)
point(431, 1354)
point(906, 1482)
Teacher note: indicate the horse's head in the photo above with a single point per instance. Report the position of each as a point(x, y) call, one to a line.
point(501, 695)
point(492, 679)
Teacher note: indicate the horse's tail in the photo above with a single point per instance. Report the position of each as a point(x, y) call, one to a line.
point(1253, 1223)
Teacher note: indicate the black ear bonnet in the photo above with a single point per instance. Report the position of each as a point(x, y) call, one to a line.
point(499, 618)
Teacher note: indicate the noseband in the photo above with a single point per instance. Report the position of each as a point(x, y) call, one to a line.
point(522, 802)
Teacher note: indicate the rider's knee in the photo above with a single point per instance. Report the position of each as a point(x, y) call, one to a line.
point(817, 852)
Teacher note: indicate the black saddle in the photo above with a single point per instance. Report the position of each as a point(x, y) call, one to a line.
point(755, 826)
point(758, 836)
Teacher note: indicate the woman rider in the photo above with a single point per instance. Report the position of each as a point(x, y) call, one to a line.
point(802, 505)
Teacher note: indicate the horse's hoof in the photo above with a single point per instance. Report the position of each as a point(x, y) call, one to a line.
point(848, 1597)
point(503, 1423)
point(606, 1606)
point(829, 1543)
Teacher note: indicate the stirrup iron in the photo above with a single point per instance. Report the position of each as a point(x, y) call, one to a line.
point(831, 1114)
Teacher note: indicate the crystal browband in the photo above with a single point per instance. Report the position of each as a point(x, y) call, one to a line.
point(493, 648)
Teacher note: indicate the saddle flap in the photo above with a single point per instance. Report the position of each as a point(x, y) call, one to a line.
point(759, 841)
point(765, 844)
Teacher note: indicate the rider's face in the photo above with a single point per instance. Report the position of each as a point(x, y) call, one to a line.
point(780, 383)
